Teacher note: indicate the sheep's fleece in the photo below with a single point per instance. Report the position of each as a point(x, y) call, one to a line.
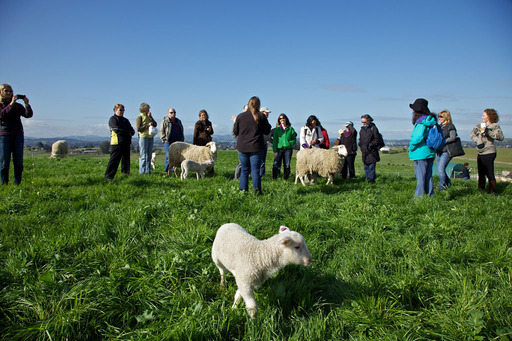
point(59, 149)
point(181, 151)
point(253, 261)
point(325, 162)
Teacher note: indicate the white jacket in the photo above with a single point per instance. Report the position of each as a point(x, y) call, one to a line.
point(307, 135)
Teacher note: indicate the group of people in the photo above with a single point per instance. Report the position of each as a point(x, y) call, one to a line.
point(252, 130)
point(171, 130)
point(484, 135)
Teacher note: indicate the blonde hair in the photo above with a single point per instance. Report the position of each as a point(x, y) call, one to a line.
point(3, 86)
point(144, 108)
point(447, 117)
point(254, 108)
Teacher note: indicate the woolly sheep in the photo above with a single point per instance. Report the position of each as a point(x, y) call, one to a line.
point(253, 261)
point(181, 151)
point(193, 166)
point(326, 162)
point(59, 149)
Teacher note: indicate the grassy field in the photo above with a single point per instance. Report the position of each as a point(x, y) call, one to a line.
point(86, 259)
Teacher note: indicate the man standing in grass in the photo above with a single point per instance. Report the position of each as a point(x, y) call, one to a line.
point(171, 130)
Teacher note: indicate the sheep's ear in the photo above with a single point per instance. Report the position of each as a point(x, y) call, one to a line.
point(283, 229)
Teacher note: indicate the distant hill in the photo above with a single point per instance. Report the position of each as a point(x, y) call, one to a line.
point(224, 141)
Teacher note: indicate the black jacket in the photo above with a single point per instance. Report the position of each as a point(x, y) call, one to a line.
point(249, 133)
point(370, 141)
point(350, 142)
point(122, 127)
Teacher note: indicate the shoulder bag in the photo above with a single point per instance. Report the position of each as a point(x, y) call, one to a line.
point(455, 148)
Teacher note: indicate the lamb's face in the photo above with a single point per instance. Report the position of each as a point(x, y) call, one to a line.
point(295, 249)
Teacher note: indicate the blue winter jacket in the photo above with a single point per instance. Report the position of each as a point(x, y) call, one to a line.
point(418, 149)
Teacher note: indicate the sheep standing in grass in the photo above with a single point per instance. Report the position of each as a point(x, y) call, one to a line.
point(193, 166)
point(253, 261)
point(326, 162)
point(59, 149)
point(181, 151)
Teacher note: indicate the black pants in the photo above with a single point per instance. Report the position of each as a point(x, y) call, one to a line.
point(119, 153)
point(485, 165)
point(348, 167)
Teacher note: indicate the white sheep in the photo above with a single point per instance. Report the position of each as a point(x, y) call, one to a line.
point(59, 149)
point(253, 261)
point(180, 151)
point(193, 166)
point(326, 162)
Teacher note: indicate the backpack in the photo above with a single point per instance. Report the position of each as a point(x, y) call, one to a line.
point(435, 138)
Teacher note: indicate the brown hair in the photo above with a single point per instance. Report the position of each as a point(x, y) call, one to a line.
point(144, 108)
point(205, 114)
point(285, 118)
point(254, 108)
point(492, 115)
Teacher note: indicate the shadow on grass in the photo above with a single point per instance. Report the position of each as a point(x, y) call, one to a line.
point(299, 291)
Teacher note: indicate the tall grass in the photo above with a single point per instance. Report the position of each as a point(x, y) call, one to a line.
point(86, 259)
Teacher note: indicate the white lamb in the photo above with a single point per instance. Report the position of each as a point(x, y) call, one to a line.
point(193, 166)
point(59, 149)
point(180, 151)
point(253, 261)
point(153, 158)
point(326, 162)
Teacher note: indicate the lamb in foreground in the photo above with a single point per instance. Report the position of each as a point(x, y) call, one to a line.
point(193, 166)
point(325, 162)
point(181, 151)
point(253, 261)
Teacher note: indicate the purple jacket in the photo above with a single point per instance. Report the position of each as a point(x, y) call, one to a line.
point(10, 118)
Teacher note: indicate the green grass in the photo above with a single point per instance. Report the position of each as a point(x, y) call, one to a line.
point(86, 259)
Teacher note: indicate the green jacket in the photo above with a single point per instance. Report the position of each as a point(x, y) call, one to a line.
point(284, 139)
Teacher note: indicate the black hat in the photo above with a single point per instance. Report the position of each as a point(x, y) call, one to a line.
point(420, 105)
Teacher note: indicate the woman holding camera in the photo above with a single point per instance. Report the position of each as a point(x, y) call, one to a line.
point(484, 135)
point(11, 132)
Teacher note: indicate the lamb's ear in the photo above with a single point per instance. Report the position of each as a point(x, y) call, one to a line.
point(285, 241)
point(283, 229)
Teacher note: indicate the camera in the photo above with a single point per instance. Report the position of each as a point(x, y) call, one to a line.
point(20, 96)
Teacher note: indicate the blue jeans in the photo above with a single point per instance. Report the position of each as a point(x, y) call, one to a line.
point(146, 148)
point(284, 156)
point(444, 180)
point(166, 147)
point(11, 144)
point(369, 173)
point(262, 167)
point(424, 182)
point(251, 163)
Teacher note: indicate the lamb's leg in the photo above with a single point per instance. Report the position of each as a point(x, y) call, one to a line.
point(250, 302)
point(238, 298)
point(197, 175)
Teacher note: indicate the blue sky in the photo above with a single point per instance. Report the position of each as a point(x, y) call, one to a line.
point(335, 59)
